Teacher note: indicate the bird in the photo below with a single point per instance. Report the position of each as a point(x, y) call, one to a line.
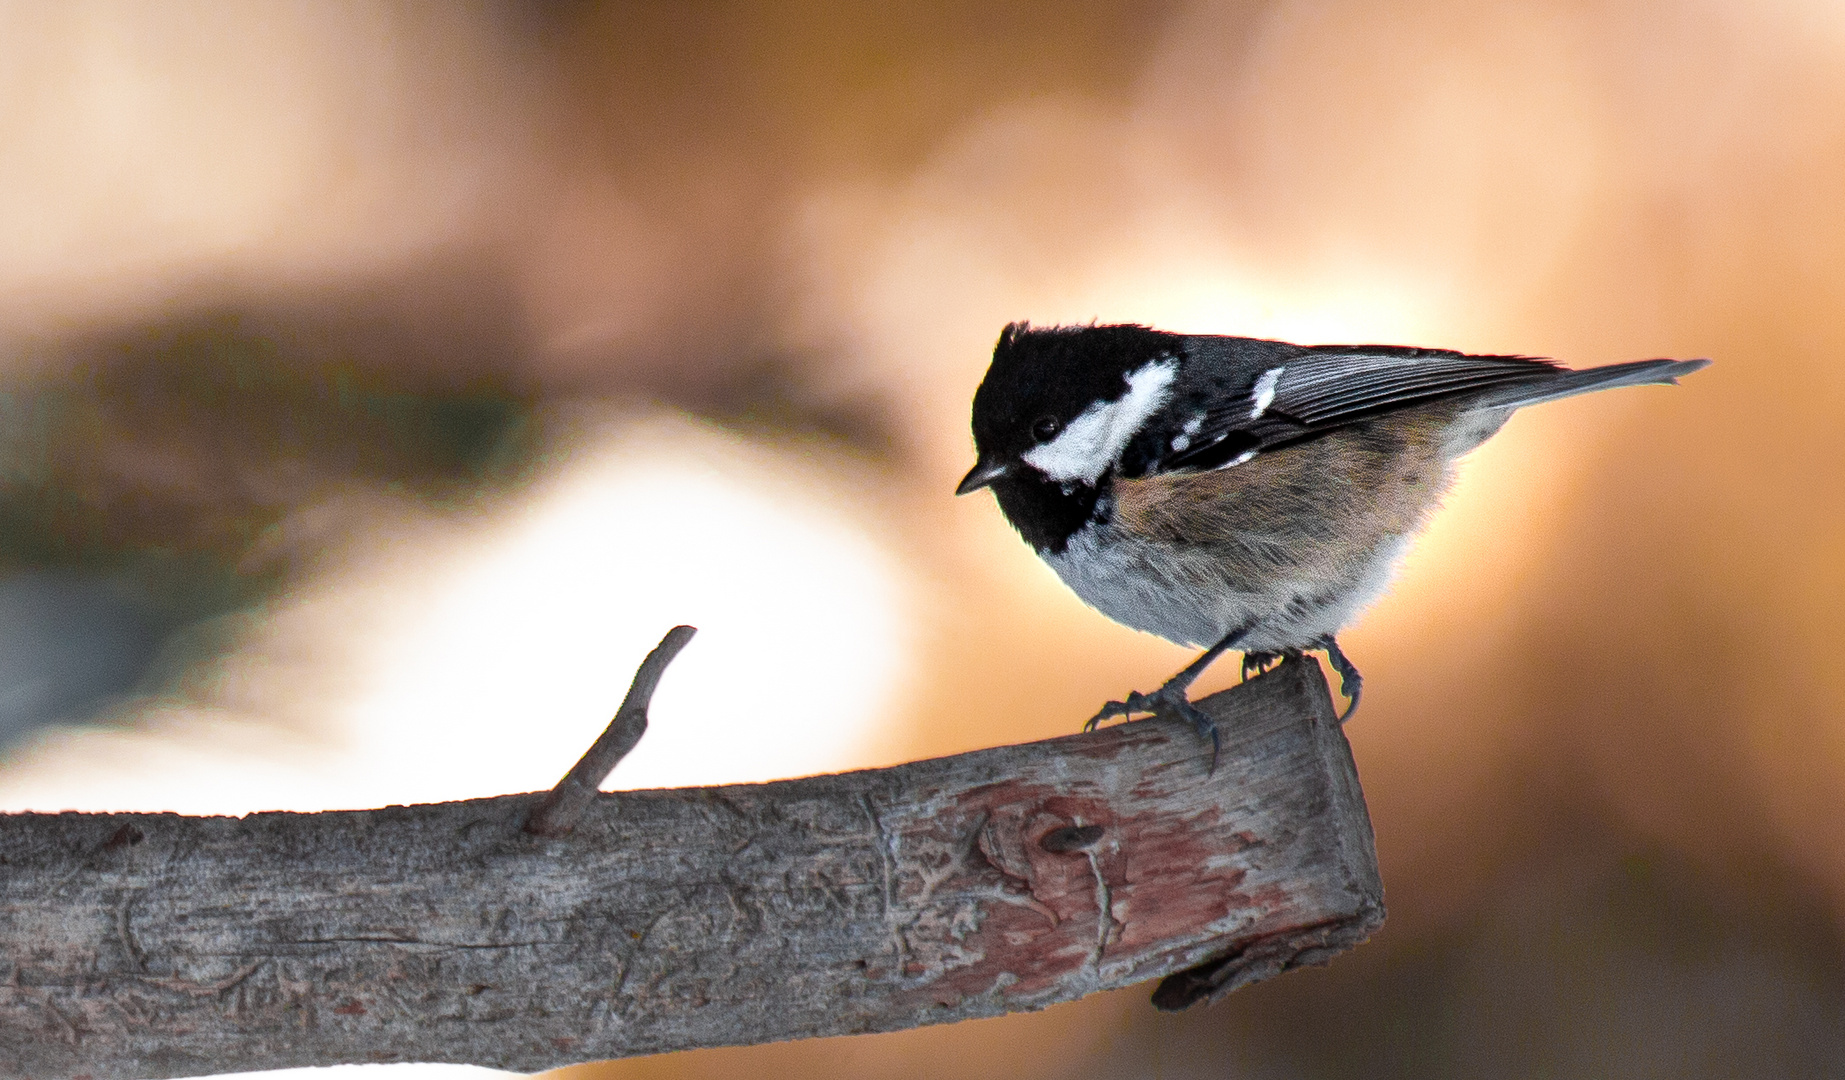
point(1239, 493)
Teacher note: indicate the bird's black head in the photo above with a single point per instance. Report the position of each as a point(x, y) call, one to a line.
point(1047, 384)
point(1056, 409)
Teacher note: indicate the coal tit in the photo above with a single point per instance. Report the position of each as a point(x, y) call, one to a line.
point(1237, 493)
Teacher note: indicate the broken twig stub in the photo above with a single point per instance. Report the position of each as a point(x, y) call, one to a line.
point(997, 881)
point(559, 810)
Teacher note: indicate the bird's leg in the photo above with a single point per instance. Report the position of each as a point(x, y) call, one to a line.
point(1170, 699)
point(1256, 663)
point(1350, 682)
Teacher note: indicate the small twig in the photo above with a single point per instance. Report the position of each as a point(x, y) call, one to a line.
point(563, 806)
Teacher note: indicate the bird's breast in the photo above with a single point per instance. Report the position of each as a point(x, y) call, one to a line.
point(1293, 543)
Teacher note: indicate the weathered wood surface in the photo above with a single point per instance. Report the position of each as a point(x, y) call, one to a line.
point(156, 945)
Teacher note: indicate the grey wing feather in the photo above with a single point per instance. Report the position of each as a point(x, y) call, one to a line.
point(1331, 388)
point(1318, 390)
point(1322, 389)
point(1570, 383)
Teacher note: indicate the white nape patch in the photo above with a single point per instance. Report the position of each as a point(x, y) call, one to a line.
point(1089, 444)
point(1265, 391)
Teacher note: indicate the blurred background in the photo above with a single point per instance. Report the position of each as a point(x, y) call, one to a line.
point(379, 381)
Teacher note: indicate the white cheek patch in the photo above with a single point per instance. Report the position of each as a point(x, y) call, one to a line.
point(1089, 444)
point(1265, 392)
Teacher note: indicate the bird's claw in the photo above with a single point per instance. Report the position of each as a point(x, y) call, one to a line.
point(1258, 663)
point(1136, 702)
point(1351, 683)
point(1167, 702)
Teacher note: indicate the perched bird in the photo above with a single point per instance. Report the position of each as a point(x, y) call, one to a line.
point(1237, 493)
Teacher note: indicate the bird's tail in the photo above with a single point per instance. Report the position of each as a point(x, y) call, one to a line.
point(1570, 383)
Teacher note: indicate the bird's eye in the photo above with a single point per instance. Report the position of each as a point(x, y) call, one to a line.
point(1046, 428)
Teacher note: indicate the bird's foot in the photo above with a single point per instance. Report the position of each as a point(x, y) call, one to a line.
point(1170, 702)
point(1256, 663)
point(1351, 684)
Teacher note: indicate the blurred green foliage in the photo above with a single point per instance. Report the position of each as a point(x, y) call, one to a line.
point(165, 458)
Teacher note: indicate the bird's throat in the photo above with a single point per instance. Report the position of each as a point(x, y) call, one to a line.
point(1046, 513)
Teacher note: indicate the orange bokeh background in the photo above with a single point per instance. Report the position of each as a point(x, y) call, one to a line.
point(1604, 732)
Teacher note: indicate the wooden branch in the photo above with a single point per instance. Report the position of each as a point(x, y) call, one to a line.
point(155, 945)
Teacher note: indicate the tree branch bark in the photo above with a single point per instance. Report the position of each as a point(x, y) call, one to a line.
point(155, 945)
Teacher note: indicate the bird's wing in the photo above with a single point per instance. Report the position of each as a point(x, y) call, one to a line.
point(1325, 388)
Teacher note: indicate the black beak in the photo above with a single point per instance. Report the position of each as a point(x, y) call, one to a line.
point(982, 474)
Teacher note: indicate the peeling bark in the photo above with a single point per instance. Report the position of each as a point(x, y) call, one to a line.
point(155, 945)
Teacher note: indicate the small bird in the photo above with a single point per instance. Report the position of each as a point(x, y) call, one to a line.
point(1233, 492)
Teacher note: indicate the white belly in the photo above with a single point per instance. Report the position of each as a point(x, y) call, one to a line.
point(1191, 597)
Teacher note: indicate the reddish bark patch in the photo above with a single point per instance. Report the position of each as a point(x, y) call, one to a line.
point(1024, 883)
